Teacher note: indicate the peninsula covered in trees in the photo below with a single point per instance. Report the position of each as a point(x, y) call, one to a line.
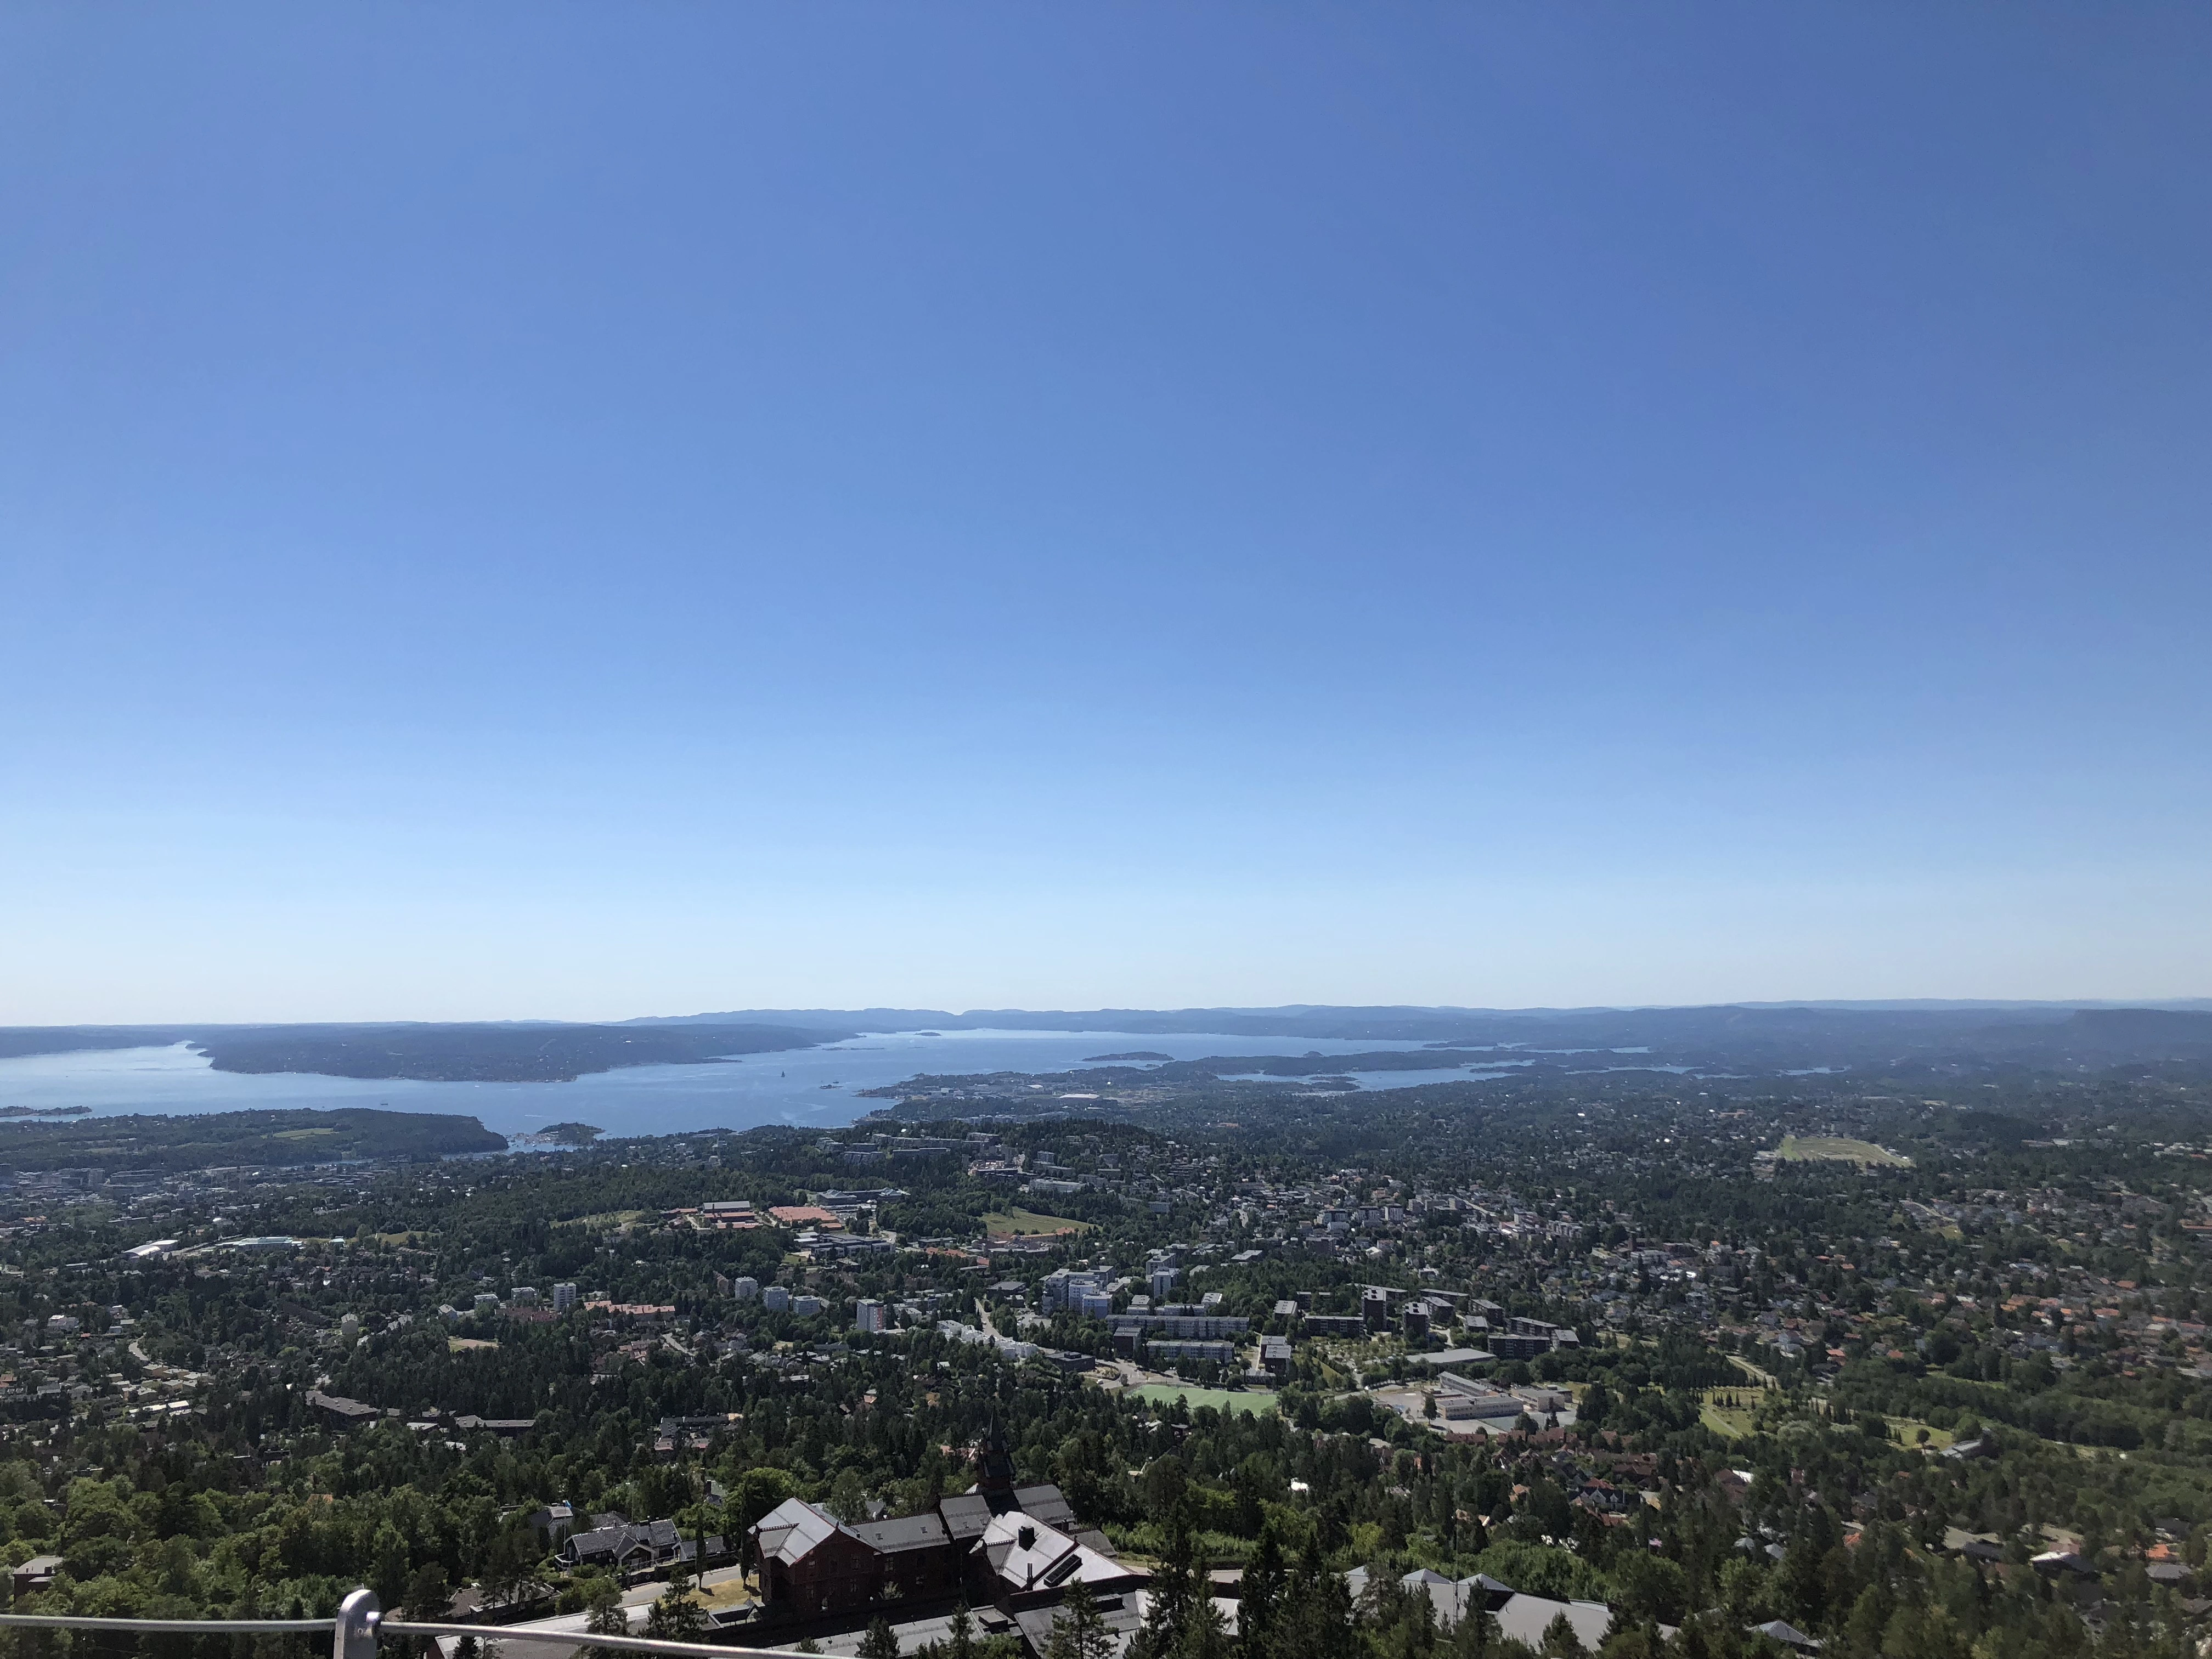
point(529, 1053)
point(276, 1139)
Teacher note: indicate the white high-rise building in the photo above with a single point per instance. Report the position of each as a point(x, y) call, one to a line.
point(565, 1298)
point(744, 1289)
point(867, 1316)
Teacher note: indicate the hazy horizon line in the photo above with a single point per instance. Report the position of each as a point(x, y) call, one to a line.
point(1871, 1005)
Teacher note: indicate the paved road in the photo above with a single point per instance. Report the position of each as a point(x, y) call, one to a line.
point(567, 1621)
point(1134, 1375)
point(634, 1601)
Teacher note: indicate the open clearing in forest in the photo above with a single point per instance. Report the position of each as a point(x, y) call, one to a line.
point(1021, 1223)
point(1835, 1149)
point(1727, 1412)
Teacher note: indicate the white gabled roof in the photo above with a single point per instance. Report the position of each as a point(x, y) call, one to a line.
point(793, 1527)
point(1028, 1554)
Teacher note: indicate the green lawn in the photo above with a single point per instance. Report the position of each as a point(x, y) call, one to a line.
point(1015, 1222)
point(1836, 1149)
point(1765, 1379)
point(1731, 1422)
point(1908, 1431)
point(1250, 1402)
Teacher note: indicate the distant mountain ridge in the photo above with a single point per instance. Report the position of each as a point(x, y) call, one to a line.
point(1210, 1019)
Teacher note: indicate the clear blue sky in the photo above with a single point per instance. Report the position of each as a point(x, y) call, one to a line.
point(583, 511)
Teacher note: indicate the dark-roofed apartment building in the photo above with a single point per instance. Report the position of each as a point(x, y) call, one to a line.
point(815, 1567)
point(624, 1546)
point(997, 1540)
point(342, 1410)
point(812, 1564)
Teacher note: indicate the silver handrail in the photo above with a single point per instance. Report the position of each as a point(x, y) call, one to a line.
point(575, 1639)
point(166, 1626)
point(359, 1623)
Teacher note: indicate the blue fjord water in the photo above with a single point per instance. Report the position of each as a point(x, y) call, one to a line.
point(809, 1087)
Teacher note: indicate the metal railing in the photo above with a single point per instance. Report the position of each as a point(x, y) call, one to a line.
point(164, 1627)
point(361, 1622)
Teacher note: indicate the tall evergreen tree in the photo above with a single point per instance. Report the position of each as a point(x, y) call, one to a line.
point(1260, 1605)
point(1078, 1631)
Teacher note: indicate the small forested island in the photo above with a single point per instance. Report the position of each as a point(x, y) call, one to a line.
point(1162, 1076)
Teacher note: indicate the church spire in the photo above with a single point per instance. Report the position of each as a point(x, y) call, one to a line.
point(996, 1468)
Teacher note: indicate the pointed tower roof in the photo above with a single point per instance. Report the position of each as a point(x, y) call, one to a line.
point(995, 1471)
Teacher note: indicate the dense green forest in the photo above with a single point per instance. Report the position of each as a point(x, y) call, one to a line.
point(181, 1145)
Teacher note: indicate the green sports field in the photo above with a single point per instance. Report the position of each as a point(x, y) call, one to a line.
point(1812, 1148)
point(1014, 1224)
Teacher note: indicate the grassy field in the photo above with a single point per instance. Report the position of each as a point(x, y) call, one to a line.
point(1015, 1224)
point(1727, 1412)
point(1908, 1430)
point(1222, 1400)
point(1764, 1379)
point(731, 1593)
point(1836, 1149)
point(463, 1344)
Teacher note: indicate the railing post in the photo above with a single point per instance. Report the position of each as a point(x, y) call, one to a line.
point(356, 1635)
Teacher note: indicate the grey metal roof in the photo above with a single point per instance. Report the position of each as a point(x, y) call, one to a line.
point(1525, 1617)
point(966, 1515)
point(1046, 1504)
point(605, 1541)
point(913, 1531)
point(793, 1527)
point(913, 1635)
point(1788, 1634)
point(1122, 1615)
